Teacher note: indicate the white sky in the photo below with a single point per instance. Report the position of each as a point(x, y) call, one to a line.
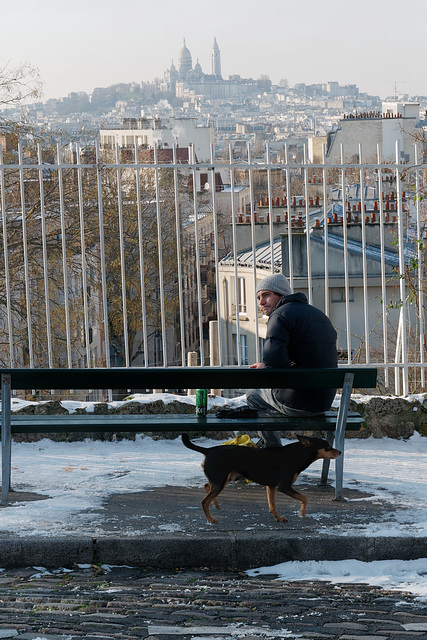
point(82, 44)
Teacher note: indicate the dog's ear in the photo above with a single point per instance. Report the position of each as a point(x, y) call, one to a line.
point(305, 441)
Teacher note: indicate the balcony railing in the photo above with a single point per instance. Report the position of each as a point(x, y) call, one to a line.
point(104, 257)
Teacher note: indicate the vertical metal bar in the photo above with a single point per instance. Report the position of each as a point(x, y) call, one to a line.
point(383, 274)
point(270, 208)
point(26, 265)
point(307, 230)
point(122, 257)
point(160, 256)
point(141, 257)
point(340, 432)
point(325, 229)
point(420, 291)
point(102, 259)
point(83, 252)
point(6, 261)
point(236, 272)
point(364, 263)
point(346, 274)
point(197, 247)
point(45, 261)
point(64, 255)
point(178, 253)
point(253, 244)
point(288, 207)
point(400, 231)
point(6, 438)
point(398, 357)
point(217, 280)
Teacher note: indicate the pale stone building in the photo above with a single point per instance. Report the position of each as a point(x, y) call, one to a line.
point(165, 133)
point(238, 299)
point(398, 122)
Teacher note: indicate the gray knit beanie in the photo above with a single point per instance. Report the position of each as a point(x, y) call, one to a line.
point(277, 283)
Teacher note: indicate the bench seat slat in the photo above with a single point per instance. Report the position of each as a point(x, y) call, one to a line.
point(179, 422)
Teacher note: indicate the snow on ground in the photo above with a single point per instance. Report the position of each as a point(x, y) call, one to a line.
point(79, 476)
point(394, 575)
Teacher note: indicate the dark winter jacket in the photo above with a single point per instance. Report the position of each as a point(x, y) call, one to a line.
point(300, 335)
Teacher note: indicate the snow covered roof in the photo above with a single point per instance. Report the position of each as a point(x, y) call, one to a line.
point(262, 256)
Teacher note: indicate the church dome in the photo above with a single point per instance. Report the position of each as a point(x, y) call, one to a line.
point(185, 62)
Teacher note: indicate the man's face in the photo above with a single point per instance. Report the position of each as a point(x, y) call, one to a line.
point(268, 301)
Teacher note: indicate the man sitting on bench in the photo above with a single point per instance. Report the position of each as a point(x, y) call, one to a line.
point(298, 335)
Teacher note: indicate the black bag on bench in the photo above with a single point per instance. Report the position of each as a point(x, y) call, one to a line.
point(237, 412)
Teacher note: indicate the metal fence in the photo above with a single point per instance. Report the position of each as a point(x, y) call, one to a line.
point(139, 257)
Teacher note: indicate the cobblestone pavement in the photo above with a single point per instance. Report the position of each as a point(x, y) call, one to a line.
point(95, 603)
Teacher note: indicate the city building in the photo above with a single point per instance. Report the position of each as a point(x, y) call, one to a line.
point(398, 123)
point(189, 83)
point(146, 132)
point(241, 321)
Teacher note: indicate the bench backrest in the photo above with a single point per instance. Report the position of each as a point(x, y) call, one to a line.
point(188, 378)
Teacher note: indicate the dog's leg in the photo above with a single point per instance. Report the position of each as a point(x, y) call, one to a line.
point(290, 491)
point(214, 500)
point(213, 492)
point(271, 497)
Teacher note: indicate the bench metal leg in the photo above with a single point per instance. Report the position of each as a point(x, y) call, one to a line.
point(326, 463)
point(6, 438)
point(340, 432)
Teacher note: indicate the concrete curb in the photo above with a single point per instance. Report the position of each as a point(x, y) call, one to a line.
point(236, 551)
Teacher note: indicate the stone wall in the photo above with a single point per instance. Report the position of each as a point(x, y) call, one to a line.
point(386, 417)
point(391, 417)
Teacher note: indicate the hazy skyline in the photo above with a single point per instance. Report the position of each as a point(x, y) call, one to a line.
point(78, 45)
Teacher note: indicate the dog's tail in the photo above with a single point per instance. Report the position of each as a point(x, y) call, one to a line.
point(190, 445)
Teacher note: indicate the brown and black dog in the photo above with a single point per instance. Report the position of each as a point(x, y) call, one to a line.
point(275, 468)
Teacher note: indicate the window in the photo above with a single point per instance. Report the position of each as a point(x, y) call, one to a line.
point(243, 349)
point(241, 292)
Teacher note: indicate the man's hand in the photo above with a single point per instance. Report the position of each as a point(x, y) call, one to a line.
point(257, 365)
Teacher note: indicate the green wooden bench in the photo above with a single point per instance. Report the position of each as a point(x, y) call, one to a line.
point(333, 423)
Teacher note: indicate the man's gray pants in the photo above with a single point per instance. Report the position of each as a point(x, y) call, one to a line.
point(265, 400)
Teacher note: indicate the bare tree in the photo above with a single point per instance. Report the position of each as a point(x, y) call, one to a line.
point(18, 84)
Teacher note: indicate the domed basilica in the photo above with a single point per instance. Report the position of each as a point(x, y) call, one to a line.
point(185, 71)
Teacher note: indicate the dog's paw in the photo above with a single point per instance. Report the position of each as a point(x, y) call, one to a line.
point(212, 521)
point(281, 519)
